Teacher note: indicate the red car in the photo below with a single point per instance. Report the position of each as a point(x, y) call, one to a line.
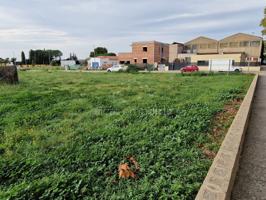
point(191, 68)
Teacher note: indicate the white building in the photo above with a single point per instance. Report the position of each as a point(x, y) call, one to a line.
point(103, 62)
point(68, 63)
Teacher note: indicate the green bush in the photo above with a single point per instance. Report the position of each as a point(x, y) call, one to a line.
point(150, 67)
point(132, 68)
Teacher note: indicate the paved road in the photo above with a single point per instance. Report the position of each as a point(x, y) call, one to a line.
point(251, 178)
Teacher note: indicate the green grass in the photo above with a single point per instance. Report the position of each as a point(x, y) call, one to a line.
point(63, 135)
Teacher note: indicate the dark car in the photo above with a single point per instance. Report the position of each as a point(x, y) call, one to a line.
point(190, 68)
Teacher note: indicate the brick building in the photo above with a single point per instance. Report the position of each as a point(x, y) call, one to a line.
point(146, 53)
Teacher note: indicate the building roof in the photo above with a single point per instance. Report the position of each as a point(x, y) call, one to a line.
point(179, 43)
point(241, 36)
point(148, 42)
point(201, 38)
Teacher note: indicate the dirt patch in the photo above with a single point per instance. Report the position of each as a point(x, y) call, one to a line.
point(220, 125)
point(223, 120)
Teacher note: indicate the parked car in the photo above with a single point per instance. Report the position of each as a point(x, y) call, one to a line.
point(115, 68)
point(190, 68)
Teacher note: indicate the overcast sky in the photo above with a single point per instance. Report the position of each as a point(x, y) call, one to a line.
point(79, 25)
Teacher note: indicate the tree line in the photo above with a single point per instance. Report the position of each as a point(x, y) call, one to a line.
point(41, 57)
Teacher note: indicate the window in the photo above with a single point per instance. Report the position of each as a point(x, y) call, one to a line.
point(223, 45)
point(233, 44)
point(145, 61)
point(255, 43)
point(127, 62)
point(162, 49)
point(203, 63)
point(135, 60)
point(145, 49)
point(244, 44)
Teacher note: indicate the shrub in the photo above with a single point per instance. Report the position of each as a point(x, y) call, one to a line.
point(132, 69)
point(150, 67)
point(55, 63)
point(8, 74)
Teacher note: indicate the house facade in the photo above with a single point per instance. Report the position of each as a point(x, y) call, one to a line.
point(149, 52)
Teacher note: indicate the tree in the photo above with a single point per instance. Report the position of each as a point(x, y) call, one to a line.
point(263, 23)
point(4, 62)
point(32, 57)
point(7, 61)
point(72, 57)
point(111, 54)
point(99, 51)
point(44, 56)
point(23, 58)
point(92, 54)
point(13, 60)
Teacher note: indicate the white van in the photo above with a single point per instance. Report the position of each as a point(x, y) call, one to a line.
point(223, 65)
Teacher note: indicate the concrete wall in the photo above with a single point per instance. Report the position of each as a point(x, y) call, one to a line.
point(220, 179)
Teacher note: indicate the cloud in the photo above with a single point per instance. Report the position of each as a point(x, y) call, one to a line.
point(77, 26)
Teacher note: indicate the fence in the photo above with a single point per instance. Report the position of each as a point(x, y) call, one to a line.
point(178, 66)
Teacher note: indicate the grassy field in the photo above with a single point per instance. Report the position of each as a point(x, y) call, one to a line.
point(63, 135)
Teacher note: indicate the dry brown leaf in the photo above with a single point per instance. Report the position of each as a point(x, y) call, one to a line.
point(125, 171)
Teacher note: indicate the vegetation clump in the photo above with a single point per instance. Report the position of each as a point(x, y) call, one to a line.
point(8, 74)
point(132, 68)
